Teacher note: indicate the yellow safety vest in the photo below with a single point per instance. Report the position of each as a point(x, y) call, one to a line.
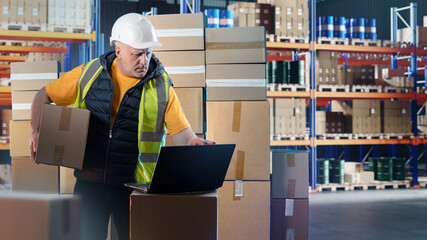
point(151, 127)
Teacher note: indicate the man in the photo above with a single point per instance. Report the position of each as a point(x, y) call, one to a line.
point(131, 99)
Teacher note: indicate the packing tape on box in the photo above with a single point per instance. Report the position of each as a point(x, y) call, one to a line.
point(33, 76)
point(240, 165)
point(290, 233)
point(291, 159)
point(58, 154)
point(21, 106)
point(186, 69)
point(64, 123)
point(236, 82)
point(185, 32)
point(292, 187)
point(237, 114)
point(289, 208)
point(234, 45)
point(238, 188)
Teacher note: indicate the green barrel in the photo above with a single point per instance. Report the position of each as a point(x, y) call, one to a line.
point(269, 71)
point(373, 166)
point(399, 169)
point(336, 171)
point(323, 171)
point(294, 72)
point(385, 169)
point(301, 72)
point(277, 71)
point(286, 72)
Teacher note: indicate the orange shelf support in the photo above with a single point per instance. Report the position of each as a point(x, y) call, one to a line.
point(350, 48)
point(283, 94)
point(19, 49)
point(4, 146)
point(47, 36)
point(12, 59)
point(288, 45)
point(4, 66)
point(363, 141)
point(351, 95)
point(289, 142)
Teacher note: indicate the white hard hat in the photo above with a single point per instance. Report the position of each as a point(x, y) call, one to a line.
point(134, 30)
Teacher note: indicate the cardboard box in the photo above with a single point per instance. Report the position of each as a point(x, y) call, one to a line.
point(366, 177)
point(67, 180)
point(35, 12)
point(353, 167)
point(236, 82)
point(45, 216)
point(246, 125)
point(235, 45)
point(20, 132)
point(244, 210)
point(63, 135)
point(21, 104)
point(185, 68)
point(180, 31)
point(290, 174)
point(289, 219)
point(33, 75)
point(272, 122)
point(191, 100)
point(6, 117)
point(188, 216)
point(320, 122)
point(28, 176)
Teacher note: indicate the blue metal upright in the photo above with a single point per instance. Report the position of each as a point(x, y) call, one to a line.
point(312, 108)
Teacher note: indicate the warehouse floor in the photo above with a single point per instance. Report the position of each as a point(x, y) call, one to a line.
point(369, 215)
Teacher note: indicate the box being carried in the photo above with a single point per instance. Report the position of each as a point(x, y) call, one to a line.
point(63, 134)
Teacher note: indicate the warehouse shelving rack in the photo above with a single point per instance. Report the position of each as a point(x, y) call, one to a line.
point(316, 98)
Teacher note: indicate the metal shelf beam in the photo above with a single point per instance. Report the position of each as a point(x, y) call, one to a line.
point(47, 36)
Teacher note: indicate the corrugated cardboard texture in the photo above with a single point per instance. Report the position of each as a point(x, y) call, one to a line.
point(33, 75)
point(235, 45)
point(21, 104)
point(234, 82)
point(47, 217)
point(191, 100)
point(291, 226)
point(290, 174)
point(247, 217)
point(63, 134)
point(252, 138)
point(185, 68)
point(187, 216)
point(176, 22)
point(20, 132)
point(31, 177)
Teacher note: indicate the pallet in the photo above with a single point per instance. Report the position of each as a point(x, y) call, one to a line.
point(393, 184)
point(68, 29)
point(333, 187)
point(388, 43)
point(293, 87)
point(422, 90)
point(333, 88)
point(334, 136)
point(389, 89)
point(279, 137)
point(333, 41)
point(269, 37)
point(271, 87)
point(23, 26)
point(366, 88)
point(398, 135)
point(365, 42)
point(368, 136)
point(291, 39)
point(365, 186)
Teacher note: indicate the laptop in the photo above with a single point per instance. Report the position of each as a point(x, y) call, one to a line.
point(189, 168)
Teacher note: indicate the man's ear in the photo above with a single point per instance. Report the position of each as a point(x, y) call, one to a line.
point(118, 51)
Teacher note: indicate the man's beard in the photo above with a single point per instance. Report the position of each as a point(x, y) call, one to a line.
point(140, 74)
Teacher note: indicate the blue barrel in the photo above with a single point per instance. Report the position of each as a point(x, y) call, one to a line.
point(318, 26)
point(213, 17)
point(326, 26)
point(339, 27)
point(371, 29)
point(347, 29)
point(226, 19)
point(357, 28)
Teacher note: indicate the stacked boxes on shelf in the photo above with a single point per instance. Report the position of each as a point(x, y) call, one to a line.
point(354, 173)
point(394, 78)
point(326, 67)
point(405, 35)
point(27, 79)
point(237, 112)
point(334, 122)
point(183, 58)
point(6, 117)
point(289, 117)
point(289, 189)
point(361, 116)
point(248, 14)
point(397, 117)
point(24, 15)
point(291, 18)
point(69, 16)
point(320, 122)
point(286, 72)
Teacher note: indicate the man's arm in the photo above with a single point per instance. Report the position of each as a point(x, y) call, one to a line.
point(188, 137)
point(39, 100)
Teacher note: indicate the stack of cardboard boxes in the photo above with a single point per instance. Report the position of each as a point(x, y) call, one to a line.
point(289, 186)
point(31, 13)
point(289, 116)
point(291, 18)
point(320, 122)
point(405, 35)
point(354, 173)
point(397, 117)
point(237, 112)
point(334, 122)
point(394, 77)
point(248, 14)
point(326, 68)
point(69, 16)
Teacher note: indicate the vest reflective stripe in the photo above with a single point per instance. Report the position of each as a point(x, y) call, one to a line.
point(90, 72)
point(151, 127)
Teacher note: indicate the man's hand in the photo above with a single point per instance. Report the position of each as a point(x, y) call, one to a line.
point(36, 112)
point(199, 141)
